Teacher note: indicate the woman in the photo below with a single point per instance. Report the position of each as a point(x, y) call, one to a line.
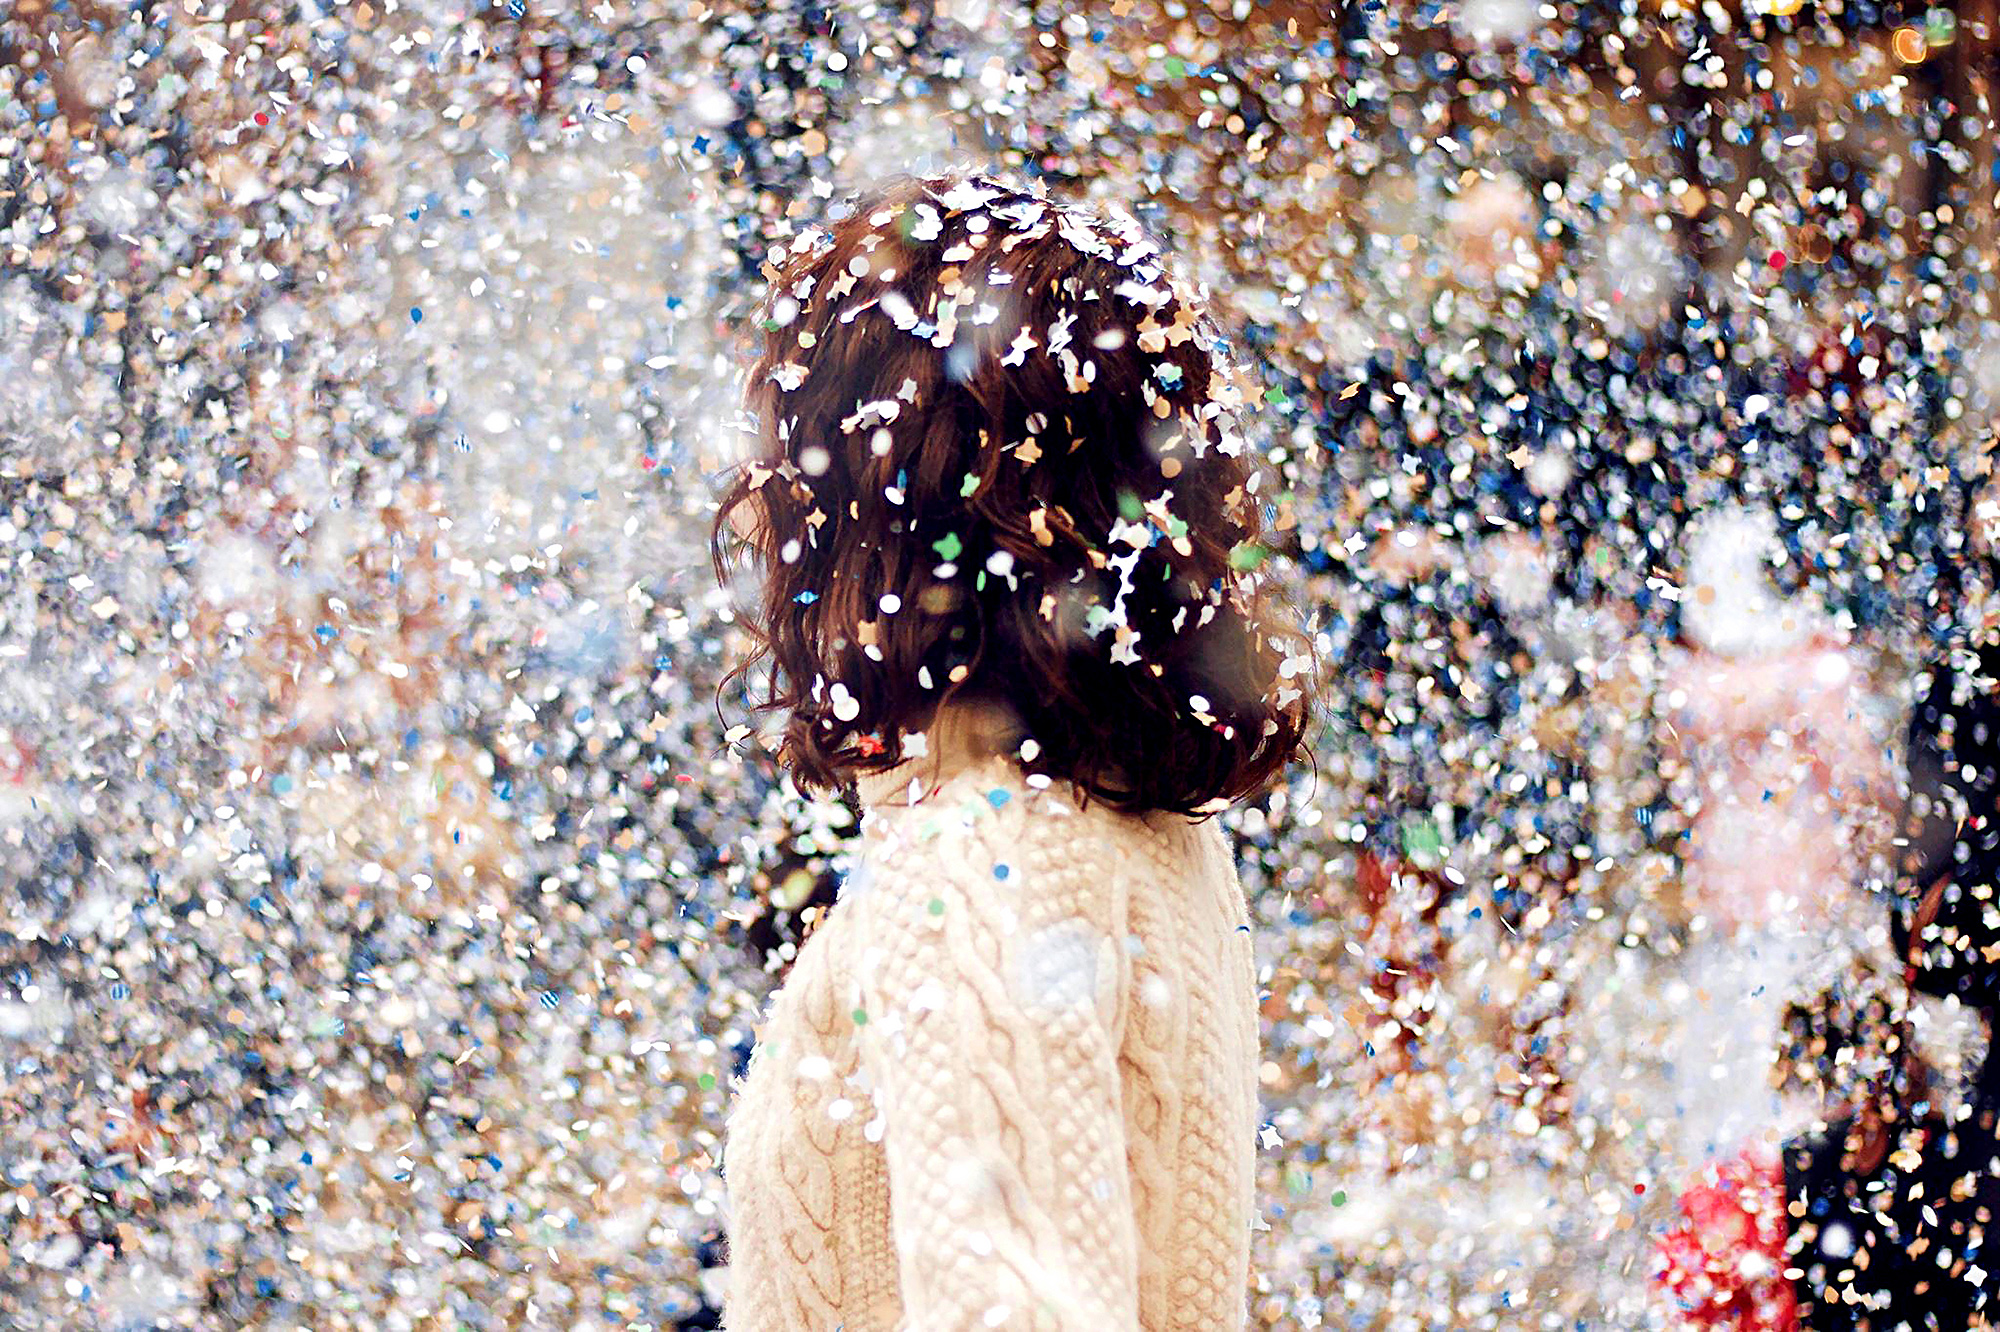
point(1879, 1221)
point(1783, 770)
point(1894, 1203)
point(1009, 538)
point(1774, 712)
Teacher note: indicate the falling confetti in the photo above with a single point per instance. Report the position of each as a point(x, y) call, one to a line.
point(391, 899)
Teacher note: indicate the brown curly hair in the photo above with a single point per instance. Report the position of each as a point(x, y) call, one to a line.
point(997, 457)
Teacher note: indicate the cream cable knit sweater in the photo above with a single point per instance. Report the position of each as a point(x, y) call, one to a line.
point(1010, 1081)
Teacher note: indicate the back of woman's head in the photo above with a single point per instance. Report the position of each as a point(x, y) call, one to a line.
point(998, 459)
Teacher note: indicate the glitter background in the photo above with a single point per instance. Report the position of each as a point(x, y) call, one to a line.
point(386, 908)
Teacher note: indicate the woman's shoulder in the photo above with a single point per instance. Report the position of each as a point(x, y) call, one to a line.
point(991, 831)
point(994, 806)
point(998, 882)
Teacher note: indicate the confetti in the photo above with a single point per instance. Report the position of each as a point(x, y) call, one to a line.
point(376, 843)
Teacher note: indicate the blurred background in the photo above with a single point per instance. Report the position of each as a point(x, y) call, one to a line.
point(387, 899)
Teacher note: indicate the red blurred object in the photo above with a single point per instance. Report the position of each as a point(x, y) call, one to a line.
point(17, 761)
point(1725, 1262)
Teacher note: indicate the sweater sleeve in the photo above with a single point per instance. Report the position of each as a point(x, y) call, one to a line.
point(992, 983)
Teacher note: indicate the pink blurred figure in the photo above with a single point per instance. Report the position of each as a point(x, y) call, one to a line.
point(1776, 721)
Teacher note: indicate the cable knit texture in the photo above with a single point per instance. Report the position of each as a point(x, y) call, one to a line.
point(1010, 1081)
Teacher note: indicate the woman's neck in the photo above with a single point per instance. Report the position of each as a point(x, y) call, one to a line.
point(966, 731)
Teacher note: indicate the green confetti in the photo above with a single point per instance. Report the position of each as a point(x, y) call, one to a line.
point(949, 548)
point(1130, 507)
point(1247, 555)
point(1275, 396)
point(937, 906)
point(1176, 67)
point(966, 487)
point(1339, 1198)
point(860, 1017)
point(1421, 839)
point(707, 1081)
